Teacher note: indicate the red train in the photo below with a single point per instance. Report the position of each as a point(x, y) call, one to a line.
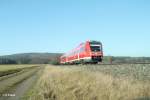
point(88, 52)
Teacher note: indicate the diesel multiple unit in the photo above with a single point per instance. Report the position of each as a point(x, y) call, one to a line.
point(88, 52)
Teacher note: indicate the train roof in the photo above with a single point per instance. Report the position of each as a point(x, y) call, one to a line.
point(95, 42)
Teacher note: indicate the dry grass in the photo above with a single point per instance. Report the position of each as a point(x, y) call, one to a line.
point(65, 83)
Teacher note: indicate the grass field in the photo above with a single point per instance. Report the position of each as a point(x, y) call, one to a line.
point(10, 69)
point(93, 82)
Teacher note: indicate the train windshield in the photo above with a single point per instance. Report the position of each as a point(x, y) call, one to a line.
point(95, 46)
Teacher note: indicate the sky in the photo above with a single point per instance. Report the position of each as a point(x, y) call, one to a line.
point(123, 26)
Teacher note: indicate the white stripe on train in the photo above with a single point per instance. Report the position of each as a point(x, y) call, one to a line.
point(77, 59)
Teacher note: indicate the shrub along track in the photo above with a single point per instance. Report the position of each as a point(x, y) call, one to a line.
point(11, 84)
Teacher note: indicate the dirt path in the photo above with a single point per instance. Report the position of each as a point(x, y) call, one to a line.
point(17, 91)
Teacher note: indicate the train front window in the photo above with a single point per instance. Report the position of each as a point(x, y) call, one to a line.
point(95, 48)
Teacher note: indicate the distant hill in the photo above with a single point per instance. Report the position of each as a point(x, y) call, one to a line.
point(30, 58)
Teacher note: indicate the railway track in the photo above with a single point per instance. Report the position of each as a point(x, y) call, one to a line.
point(107, 64)
point(120, 63)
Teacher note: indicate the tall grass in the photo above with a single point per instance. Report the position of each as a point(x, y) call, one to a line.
point(65, 83)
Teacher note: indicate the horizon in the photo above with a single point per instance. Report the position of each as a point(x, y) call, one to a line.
point(59, 26)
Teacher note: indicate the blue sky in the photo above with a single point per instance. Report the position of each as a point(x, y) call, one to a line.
point(123, 26)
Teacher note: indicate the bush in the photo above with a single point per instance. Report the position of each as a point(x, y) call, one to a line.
point(55, 62)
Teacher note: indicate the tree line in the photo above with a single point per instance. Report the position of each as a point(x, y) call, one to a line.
point(31, 58)
point(113, 59)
